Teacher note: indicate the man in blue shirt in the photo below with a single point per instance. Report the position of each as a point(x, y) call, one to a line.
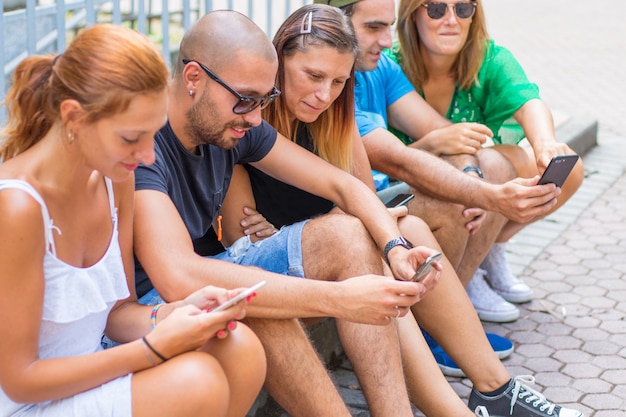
point(465, 214)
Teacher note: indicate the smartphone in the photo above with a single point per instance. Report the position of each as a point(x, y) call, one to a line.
point(426, 267)
point(399, 200)
point(558, 169)
point(239, 297)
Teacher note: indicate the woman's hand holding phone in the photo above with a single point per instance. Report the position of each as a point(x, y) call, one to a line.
point(188, 328)
point(429, 264)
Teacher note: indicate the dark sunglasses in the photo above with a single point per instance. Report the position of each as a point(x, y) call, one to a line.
point(246, 103)
point(437, 10)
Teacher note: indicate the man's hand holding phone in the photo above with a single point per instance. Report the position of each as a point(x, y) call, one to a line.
point(558, 170)
point(424, 260)
point(429, 264)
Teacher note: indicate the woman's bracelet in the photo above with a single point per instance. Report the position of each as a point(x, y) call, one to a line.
point(148, 355)
point(153, 315)
point(163, 358)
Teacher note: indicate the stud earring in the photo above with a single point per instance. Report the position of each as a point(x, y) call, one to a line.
point(190, 93)
point(70, 137)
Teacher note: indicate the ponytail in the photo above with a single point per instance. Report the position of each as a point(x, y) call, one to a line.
point(27, 104)
point(104, 69)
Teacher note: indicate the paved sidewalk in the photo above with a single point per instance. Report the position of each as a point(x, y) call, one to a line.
point(572, 337)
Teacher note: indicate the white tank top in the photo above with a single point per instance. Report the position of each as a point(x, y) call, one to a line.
point(77, 301)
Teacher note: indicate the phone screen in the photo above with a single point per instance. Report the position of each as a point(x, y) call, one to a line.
point(399, 200)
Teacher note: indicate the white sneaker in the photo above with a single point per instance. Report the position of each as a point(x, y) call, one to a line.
point(489, 305)
point(501, 279)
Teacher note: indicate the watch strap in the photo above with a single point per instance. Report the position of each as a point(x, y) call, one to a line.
point(475, 169)
point(399, 241)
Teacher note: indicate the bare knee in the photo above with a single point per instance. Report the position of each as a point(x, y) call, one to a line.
point(338, 227)
point(417, 231)
point(438, 215)
point(190, 384)
point(503, 163)
point(574, 180)
point(325, 237)
point(203, 378)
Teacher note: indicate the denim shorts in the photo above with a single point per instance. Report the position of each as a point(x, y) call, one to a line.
point(280, 253)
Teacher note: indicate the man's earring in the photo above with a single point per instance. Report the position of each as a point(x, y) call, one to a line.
point(190, 93)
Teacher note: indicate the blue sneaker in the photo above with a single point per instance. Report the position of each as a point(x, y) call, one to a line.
point(501, 345)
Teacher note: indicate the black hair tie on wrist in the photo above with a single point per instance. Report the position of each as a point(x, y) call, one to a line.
point(163, 358)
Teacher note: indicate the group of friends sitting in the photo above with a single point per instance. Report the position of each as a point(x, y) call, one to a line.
point(135, 202)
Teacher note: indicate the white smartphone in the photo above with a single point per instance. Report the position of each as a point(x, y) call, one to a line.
point(426, 267)
point(239, 297)
point(558, 169)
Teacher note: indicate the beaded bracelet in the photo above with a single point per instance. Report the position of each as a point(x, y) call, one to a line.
point(163, 358)
point(153, 315)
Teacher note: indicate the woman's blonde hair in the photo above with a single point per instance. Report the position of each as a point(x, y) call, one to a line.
point(103, 69)
point(468, 62)
point(333, 131)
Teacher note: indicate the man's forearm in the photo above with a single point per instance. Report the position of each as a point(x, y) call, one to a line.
point(430, 174)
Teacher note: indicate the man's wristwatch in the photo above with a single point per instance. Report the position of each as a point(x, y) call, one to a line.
point(475, 169)
point(399, 241)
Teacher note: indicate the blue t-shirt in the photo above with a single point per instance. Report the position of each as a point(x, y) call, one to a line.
point(376, 90)
point(197, 184)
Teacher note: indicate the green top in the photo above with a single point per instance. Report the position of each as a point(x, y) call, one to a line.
point(501, 89)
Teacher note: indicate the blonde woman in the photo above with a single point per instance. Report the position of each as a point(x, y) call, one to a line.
point(446, 53)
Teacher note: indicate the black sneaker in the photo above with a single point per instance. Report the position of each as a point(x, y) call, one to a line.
point(518, 400)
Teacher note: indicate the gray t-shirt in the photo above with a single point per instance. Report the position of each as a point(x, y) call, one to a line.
point(197, 184)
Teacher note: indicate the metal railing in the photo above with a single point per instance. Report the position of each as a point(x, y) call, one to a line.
point(46, 26)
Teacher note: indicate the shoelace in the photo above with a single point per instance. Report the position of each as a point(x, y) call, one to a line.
point(482, 289)
point(529, 395)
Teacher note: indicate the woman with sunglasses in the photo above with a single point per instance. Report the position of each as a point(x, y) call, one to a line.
point(79, 124)
point(445, 51)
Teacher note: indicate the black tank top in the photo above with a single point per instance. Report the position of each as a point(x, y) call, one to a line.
point(280, 203)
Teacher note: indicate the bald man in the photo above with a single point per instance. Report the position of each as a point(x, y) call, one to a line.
point(224, 76)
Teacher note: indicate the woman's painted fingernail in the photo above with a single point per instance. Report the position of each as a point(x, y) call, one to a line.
point(221, 333)
point(232, 325)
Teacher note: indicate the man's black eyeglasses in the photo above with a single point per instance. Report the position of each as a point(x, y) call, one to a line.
point(246, 103)
point(437, 10)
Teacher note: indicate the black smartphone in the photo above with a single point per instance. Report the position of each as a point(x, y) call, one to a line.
point(399, 200)
point(558, 169)
point(426, 267)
